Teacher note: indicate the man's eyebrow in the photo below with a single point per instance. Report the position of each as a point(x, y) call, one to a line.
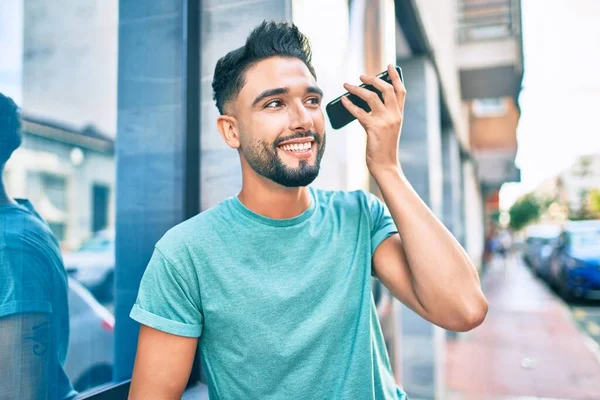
point(274, 92)
point(314, 89)
point(269, 93)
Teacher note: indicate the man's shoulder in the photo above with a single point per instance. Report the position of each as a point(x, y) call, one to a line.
point(24, 229)
point(343, 199)
point(195, 229)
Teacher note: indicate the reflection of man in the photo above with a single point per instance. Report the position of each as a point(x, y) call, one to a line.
point(34, 319)
point(276, 280)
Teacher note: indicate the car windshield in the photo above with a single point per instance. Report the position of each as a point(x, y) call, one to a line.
point(550, 241)
point(586, 240)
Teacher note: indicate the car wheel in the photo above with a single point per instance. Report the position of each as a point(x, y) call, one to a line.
point(95, 376)
point(563, 288)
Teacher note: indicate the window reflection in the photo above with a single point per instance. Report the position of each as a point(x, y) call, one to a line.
point(58, 80)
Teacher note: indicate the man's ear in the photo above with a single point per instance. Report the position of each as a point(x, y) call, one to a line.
point(228, 128)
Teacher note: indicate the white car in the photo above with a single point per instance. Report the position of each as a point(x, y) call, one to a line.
point(94, 265)
point(90, 357)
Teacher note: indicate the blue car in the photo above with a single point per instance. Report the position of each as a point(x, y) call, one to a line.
point(575, 260)
point(538, 247)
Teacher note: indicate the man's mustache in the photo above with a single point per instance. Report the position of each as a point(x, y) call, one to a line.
point(298, 135)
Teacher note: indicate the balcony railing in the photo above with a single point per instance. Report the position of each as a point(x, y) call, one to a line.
point(482, 20)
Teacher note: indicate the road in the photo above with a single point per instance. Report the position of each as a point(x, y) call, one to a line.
point(587, 315)
point(528, 347)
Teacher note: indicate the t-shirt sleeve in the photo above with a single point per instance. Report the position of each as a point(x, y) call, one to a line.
point(382, 224)
point(168, 300)
point(24, 283)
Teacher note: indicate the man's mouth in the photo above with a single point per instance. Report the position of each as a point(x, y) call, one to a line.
point(300, 148)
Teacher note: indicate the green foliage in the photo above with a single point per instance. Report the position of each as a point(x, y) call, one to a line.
point(526, 210)
point(594, 199)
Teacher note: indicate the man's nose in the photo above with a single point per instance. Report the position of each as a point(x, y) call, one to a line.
point(300, 118)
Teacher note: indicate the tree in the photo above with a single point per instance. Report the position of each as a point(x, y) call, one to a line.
point(526, 210)
point(581, 212)
point(584, 167)
point(594, 201)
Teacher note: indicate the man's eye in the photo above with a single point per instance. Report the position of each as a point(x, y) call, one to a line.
point(274, 104)
point(314, 100)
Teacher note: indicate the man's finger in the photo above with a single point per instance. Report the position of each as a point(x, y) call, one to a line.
point(389, 95)
point(370, 97)
point(398, 85)
point(358, 113)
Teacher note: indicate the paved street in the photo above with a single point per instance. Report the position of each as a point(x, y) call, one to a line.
point(587, 315)
point(530, 345)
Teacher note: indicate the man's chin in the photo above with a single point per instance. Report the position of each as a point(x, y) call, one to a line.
point(293, 180)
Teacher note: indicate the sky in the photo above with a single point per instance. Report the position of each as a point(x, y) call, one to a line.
point(560, 100)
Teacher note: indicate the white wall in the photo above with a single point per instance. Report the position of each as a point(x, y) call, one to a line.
point(11, 49)
point(335, 61)
point(439, 17)
point(70, 61)
point(339, 56)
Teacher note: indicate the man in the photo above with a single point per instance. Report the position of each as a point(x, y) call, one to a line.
point(34, 316)
point(276, 281)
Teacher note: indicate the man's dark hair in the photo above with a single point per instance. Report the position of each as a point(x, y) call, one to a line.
point(269, 39)
point(10, 128)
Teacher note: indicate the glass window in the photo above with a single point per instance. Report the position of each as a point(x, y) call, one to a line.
point(58, 77)
point(587, 239)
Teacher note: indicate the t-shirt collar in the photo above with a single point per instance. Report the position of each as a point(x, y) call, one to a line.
point(240, 207)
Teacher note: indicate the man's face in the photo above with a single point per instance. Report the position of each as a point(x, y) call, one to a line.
point(281, 123)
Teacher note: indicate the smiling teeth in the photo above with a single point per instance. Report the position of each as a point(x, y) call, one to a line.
point(298, 147)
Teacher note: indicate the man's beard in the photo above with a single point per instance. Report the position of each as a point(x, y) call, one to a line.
point(264, 159)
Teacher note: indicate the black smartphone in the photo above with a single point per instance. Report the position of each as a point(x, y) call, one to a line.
point(339, 116)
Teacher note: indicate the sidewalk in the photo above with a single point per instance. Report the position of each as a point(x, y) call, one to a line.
point(528, 346)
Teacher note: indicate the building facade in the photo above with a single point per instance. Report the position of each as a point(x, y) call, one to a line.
point(68, 175)
point(144, 70)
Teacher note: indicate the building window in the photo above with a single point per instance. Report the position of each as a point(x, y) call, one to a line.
point(55, 189)
point(100, 207)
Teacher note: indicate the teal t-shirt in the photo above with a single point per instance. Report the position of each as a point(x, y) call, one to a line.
point(33, 280)
point(283, 307)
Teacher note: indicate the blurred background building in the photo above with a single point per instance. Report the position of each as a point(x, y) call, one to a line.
point(68, 175)
point(120, 123)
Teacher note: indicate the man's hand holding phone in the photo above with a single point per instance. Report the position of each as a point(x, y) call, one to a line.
point(384, 122)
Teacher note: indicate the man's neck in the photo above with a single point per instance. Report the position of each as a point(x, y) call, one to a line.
point(271, 200)
point(4, 197)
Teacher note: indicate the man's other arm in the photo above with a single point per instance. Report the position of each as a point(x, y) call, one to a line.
point(25, 355)
point(162, 365)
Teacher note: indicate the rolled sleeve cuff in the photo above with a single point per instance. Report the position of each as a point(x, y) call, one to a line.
point(26, 306)
point(378, 238)
point(381, 235)
point(163, 324)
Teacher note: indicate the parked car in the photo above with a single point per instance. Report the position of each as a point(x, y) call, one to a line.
point(93, 264)
point(538, 248)
point(90, 357)
point(575, 260)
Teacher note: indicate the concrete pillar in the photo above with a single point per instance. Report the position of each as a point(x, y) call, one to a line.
point(151, 149)
point(452, 183)
point(462, 234)
point(170, 163)
point(421, 159)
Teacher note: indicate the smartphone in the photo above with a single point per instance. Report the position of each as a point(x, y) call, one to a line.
point(339, 116)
